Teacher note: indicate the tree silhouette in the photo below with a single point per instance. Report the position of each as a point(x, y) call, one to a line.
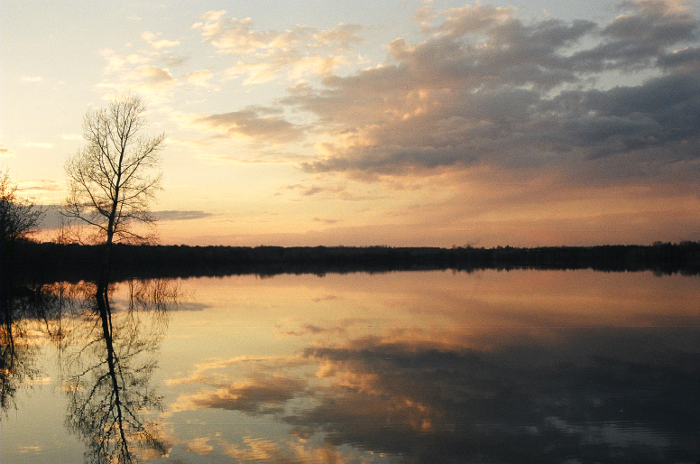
point(110, 179)
point(19, 217)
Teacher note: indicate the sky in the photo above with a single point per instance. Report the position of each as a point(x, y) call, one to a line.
point(400, 123)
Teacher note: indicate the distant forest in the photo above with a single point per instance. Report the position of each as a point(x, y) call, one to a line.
point(55, 262)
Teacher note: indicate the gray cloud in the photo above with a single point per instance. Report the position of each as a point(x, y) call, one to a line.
point(393, 160)
point(173, 215)
point(53, 219)
point(486, 88)
point(189, 306)
point(326, 221)
point(310, 329)
point(641, 34)
point(254, 123)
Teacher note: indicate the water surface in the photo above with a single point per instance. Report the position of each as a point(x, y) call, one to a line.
point(499, 367)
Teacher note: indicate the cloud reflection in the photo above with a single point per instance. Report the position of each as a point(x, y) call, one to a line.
point(598, 394)
point(514, 395)
point(261, 395)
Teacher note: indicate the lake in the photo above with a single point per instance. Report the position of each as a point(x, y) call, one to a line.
point(521, 366)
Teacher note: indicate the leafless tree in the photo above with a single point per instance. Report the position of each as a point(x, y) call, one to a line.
point(19, 217)
point(112, 178)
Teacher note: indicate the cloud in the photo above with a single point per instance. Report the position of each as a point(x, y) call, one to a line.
point(641, 34)
point(40, 186)
point(344, 36)
point(325, 298)
point(310, 329)
point(326, 190)
point(149, 37)
point(267, 55)
point(327, 221)
point(6, 152)
point(156, 77)
point(442, 395)
point(71, 137)
point(135, 73)
point(487, 89)
point(116, 63)
point(289, 64)
point(199, 446)
point(178, 215)
point(175, 61)
point(206, 373)
point(424, 14)
point(310, 190)
point(200, 78)
point(38, 145)
point(53, 218)
point(32, 79)
point(29, 449)
point(237, 36)
point(264, 450)
point(252, 123)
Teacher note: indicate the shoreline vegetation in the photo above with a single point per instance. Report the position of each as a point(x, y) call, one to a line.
point(51, 262)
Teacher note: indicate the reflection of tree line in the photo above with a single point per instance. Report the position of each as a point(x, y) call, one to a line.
point(54, 261)
point(21, 309)
point(108, 359)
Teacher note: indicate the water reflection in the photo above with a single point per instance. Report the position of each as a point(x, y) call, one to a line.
point(405, 368)
point(451, 392)
point(596, 395)
point(112, 402)
point(22, 310)
point(523, 402)
point(108, 359)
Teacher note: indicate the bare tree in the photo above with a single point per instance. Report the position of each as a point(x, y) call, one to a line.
point(111, 179)
point(19, 217)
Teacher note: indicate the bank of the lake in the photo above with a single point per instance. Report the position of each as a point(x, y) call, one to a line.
point(51, 261)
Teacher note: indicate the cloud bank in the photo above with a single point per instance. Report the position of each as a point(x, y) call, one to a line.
point(581, 101)
point(485, 88)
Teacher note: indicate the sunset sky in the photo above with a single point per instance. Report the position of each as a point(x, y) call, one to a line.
point(401, 123)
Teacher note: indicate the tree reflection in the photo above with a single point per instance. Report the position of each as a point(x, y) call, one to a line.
point(113, 405)
point(109, 348)
point(23, 308)
point(16, 354)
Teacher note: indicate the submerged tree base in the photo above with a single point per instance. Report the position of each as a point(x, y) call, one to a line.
point(51, 262)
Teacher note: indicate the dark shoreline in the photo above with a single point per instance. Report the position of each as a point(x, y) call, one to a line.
point(49, 262)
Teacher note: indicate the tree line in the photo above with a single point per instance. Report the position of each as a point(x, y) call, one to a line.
point(114, 177)
point(71, 262)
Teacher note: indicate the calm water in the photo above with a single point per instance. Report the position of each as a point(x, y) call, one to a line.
point(498, 367)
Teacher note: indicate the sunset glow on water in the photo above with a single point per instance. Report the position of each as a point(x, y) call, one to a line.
point(398, 367)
